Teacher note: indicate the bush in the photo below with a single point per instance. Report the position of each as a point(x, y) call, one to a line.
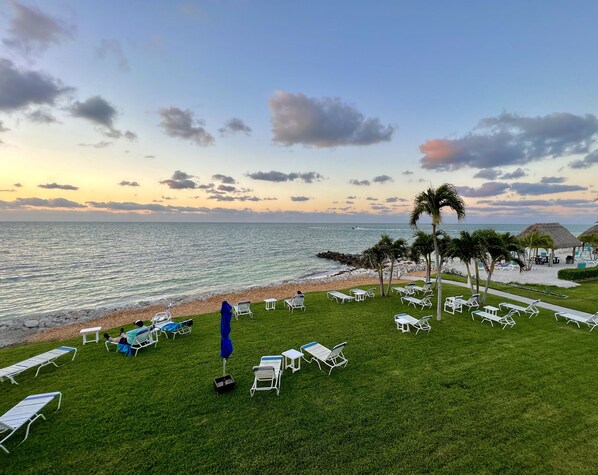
point(579, 274)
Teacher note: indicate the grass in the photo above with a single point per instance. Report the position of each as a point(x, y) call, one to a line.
point(464, 398)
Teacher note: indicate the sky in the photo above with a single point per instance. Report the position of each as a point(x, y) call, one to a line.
point(281, 111)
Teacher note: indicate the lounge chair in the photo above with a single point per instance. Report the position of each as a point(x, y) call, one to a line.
point(530, 309)
point(25, 412)
point(402, 319)
point(175, 328)
point(454, 304)
point(505, 321)
point(339, 296)
point(507, 266)
point(296, 302)
point(371, 293)
point(407, 290)
point(424, 302)
point(323, 356)
point(590, 320)
point(243, 308)
point(143, 339)
point(269, 371)
point(49, 357)
point(161, 317)
point(472, 302)
point(426, 289)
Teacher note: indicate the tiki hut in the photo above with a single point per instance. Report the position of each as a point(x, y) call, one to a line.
point(561, 237)
point(588, 232)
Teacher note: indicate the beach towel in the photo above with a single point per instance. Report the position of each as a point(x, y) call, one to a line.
point(172, 327)
point(124, 348)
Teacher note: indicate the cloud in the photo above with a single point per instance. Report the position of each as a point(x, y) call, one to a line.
point(2, 128)
point(19, 88)
point(510, 139)
point(97, 110)
point(179, 123)
point(128, 183)
point(351, 197)
point(149, 156)
point(488, 174)
point(6, 190)
point(40, 203)
point(300, 198)
point(56, 186)
point(41, 116)
point(382, 179)
point(235, 126)
point(519, 173)
point(229, 180)
point(17, 185)
point(356, 182)
point(407, 172)
point(111, 48)
point(553, 179)
point(219, 197)
point(491, 188)
point(279, 177)
point(581, 203)
point(180, 181)
point(322, 122)
point(227, 188)
point(371, 198)
point(131, 206)
point(586, 162)
point(32, 30)
point(543, 188)
point(102, 144)
point(394, 199)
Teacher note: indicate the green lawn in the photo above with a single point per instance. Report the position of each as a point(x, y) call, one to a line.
point(465, 398)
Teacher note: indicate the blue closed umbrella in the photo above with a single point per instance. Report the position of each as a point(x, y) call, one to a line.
point(226, 345)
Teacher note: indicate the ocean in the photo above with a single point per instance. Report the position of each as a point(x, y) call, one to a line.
point(52, 267)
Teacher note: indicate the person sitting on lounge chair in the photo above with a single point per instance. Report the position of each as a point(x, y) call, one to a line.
point(127, 338)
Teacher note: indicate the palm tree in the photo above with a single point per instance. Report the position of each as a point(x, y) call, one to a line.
point(422, 247)
point(397, 249)
point(533, 241)
point(497, 247)
point(432, 202)
point(467, 249)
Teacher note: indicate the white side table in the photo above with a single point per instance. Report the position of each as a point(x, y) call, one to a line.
point(87, 332)
point(402, 325)
point(491, 309)
point(290, 358)
point(270, 304)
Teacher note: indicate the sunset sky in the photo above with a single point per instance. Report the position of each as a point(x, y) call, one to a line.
point(318, 111)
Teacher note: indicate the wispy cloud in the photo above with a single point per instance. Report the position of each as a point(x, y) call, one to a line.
point(382, 179)
point(544, 188)
point(356, 182)
point(102, 113)
point(229, 180)
point(128, 183)
point(491, 188)
point(279, 177)
point(40, 203)
point(586, 162)
point(180, 181)
point(322, 122)
point(56, 186)
point(235, 126)
point(112, 48)
point(300, 198)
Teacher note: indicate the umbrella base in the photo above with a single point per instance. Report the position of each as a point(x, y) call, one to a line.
point(224, 384)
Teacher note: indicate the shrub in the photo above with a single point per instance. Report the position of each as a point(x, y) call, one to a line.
point(575, 274)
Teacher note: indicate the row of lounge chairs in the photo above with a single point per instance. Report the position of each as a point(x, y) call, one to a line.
point(357, 295)
point(244, 308)
point(267, 375)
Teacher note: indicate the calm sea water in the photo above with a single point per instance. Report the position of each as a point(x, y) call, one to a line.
point(48, 267)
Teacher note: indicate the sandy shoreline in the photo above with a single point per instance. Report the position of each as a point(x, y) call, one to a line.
point(208, 305)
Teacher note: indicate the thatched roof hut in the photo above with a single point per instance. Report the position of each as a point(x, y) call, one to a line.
point(561, 237)
point(588, 232)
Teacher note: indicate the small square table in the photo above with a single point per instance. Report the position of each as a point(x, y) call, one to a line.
point(359, 294)
point(491, 309)
point(270, 304)
point(402, 324)
point(290, 358)
point(89, 331)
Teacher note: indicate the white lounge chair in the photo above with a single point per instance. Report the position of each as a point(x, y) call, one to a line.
point(426, 289)
point(49, 357)
point(270, 372)
point(339, 296)
point(371, 293)
point(505, 321)
point(243, 308)
point(161, 318)
point(296, 302)
point(424, 302)
point(591, 320)
point(175, 328)
point(402, 319)
point(25, 412)
point(331, 358)
point(472, 302)
point(530, 309)
point(454, 304)
point(407, 290)
point(145, 338)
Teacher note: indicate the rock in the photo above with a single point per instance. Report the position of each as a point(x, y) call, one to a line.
point(347, 259)
point(31, 323)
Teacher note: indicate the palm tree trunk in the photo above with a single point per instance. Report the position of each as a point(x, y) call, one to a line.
point(381, 278)
point(428, 267)
point(438, 276)
point(392, 267)
point(469, 277)
point(489, 270)
point(477, 278)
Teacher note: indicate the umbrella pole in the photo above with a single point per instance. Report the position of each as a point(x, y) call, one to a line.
point(223, 366)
